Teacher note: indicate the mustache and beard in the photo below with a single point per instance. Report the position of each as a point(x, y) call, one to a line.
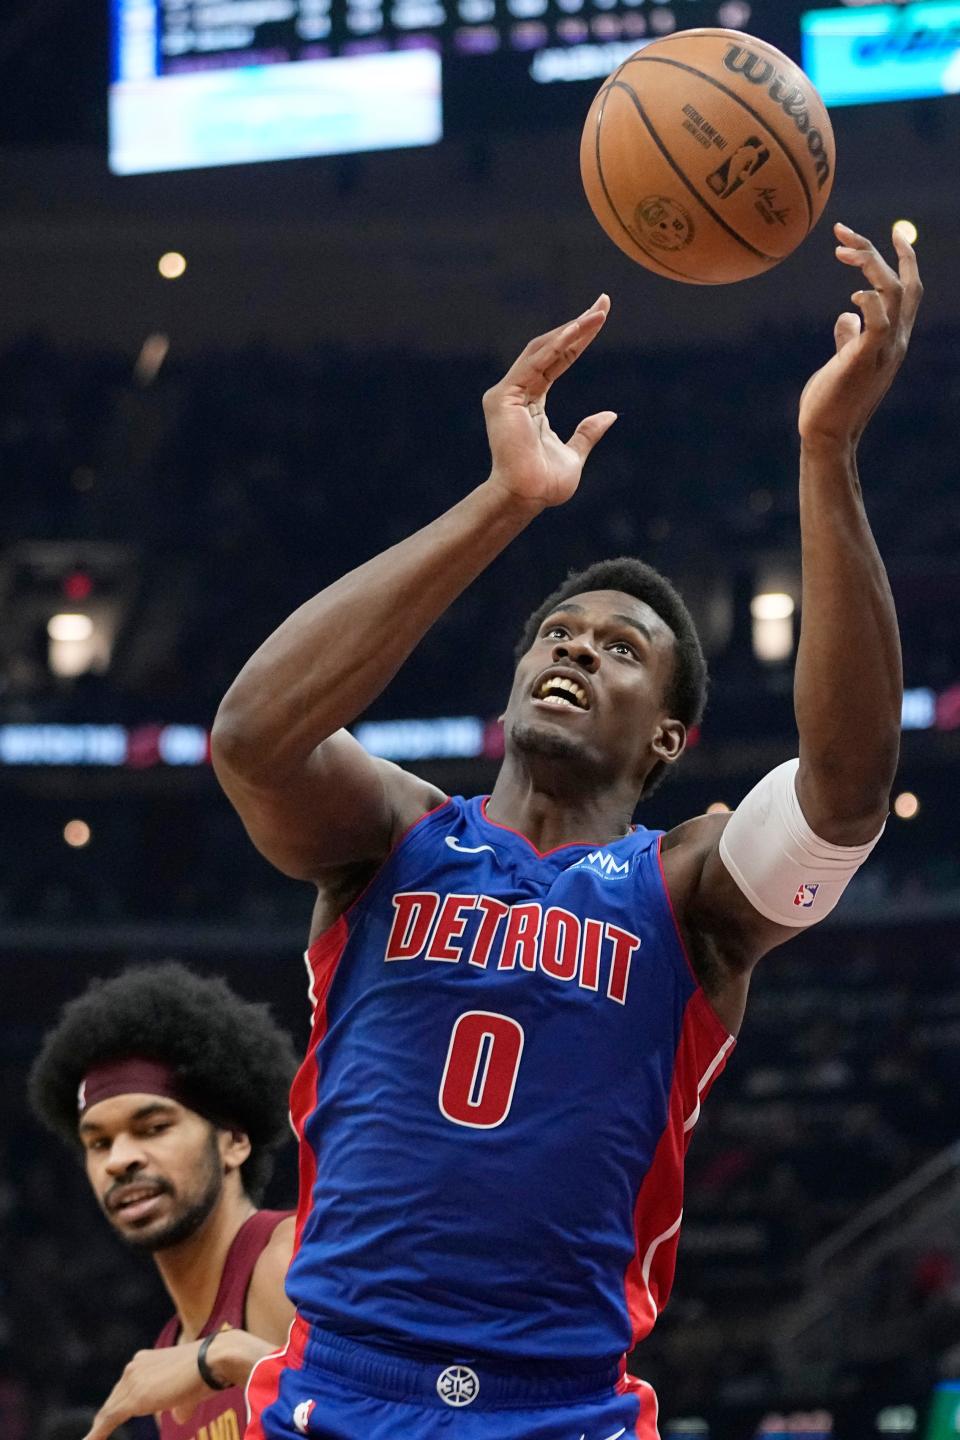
point(584, 764)
point(189, 1211)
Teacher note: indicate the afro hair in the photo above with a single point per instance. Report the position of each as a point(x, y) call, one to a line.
point(232, 1061)
point(687, 695)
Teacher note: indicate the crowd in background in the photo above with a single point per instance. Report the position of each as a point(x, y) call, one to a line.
point(243, 482)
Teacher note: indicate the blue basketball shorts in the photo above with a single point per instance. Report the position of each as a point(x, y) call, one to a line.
point(328, 1387)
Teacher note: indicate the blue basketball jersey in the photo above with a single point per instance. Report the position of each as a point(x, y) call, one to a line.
point(509, 1052)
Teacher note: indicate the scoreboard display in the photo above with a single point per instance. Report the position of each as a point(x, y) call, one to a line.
point(216, 82)
point(883, 52)
point(195, 83)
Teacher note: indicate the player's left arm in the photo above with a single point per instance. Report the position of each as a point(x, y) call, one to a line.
point(168, 1379)
point(269, 1312)
point(826, 812)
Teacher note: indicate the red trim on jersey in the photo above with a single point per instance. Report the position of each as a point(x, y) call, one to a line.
point(542, 854)
point(376, 874)
point(263, 1386)
point(701, 1055)
point(323, 957)
point(412, 826)
point(676, 925)
point(673, 914)
point(322, 960)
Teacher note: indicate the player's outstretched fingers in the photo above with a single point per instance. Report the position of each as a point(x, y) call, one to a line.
point(561, 350)
point(909, 275)
point(846, 329)
point(847, 236)
point(855, 249)
point(602, 302)
point(105, 1422)
point(581, 334)
point(877, 321)
point(589, 432)
point(543, 360)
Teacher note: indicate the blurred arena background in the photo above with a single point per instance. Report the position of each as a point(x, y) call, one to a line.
point(221, 385)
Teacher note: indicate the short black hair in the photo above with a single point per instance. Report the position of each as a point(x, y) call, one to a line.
point(233, 1063)
point(687, 695)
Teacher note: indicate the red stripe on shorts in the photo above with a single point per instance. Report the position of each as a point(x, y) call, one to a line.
point(263, 1386)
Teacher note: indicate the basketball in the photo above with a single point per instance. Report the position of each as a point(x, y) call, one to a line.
point(708, 156)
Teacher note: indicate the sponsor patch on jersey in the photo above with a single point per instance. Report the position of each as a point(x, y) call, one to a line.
point(805, 896)
point(607, 866)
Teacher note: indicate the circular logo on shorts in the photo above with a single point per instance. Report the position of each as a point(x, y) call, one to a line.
point(663, 222)
point(458, 1385)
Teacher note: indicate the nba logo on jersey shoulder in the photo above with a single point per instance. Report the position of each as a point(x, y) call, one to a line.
point(607, 866)
point(805, 896)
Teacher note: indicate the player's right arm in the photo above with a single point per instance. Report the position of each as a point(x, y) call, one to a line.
point(309, 795)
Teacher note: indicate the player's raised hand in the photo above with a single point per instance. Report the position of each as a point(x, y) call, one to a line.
point(530, 462)
point(839, 399)
point(154, 1380)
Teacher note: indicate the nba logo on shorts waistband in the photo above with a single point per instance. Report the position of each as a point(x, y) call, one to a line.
point(301, 1416)
point(458, 1385)
point(805, 896)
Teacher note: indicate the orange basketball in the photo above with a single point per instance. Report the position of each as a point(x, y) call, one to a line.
point(708, 156)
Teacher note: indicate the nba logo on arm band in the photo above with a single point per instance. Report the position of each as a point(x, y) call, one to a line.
point(806, 897)
point(788, 873)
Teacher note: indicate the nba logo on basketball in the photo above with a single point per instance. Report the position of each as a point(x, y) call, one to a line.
point(805, 896)
point(301, 1416)
point(737, 168)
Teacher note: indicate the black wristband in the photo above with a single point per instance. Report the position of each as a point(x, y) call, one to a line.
point(206, 1374)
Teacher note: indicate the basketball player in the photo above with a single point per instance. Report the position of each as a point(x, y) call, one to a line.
point(176, 1090)
point(521, 1002)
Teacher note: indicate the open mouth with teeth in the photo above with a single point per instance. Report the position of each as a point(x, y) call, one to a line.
point(558, 690)
point(134, 1198)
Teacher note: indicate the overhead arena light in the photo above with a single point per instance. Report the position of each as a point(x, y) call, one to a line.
point(77, 643)
point(69, 629)
point(772, 615)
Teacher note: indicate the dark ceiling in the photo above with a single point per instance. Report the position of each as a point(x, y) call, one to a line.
point(53, 72)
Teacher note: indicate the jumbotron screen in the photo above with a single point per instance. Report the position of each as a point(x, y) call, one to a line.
point(220, 82)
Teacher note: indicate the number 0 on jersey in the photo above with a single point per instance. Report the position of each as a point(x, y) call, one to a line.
point(480, 1074)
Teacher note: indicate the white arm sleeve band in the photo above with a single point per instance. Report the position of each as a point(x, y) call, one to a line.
point(787, 873)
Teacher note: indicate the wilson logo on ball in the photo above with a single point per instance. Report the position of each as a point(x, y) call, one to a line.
point(761, 71)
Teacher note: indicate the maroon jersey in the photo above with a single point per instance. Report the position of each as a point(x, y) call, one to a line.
point(224, 1415)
